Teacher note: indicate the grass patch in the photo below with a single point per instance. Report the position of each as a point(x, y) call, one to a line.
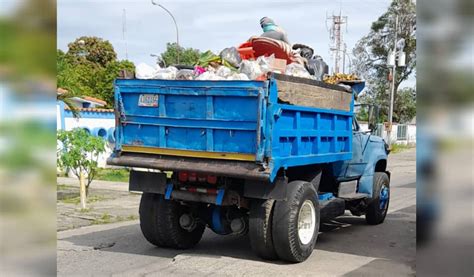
point(77, 199)
point(397, 148)
point(104, 219)
point(107, 218)
point(62, 187)
point(112, 174)
point(132, 217)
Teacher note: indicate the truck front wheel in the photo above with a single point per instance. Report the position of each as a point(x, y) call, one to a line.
point(377, 209)
point(162, 221)
point(296, 222)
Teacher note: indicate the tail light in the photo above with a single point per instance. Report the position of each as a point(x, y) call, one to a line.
point(184, 176)
point(212, 179)
point(192, 177)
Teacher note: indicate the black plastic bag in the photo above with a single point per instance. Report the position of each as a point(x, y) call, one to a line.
point(317, 67)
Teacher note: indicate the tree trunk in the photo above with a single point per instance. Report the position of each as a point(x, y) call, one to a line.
point(82, 190)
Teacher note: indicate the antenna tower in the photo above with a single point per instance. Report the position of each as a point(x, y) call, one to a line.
point(337, 46)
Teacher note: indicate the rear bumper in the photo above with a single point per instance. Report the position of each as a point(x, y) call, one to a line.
point(235, 169)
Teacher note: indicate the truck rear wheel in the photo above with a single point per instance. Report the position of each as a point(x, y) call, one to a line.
point(160, 223)
point(377, 209)
point(296, 222)
point(260, 228)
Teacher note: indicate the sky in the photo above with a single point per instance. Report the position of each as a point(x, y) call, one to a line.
point(209, 25)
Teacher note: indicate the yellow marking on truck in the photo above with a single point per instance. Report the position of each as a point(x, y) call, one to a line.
point(189, 153)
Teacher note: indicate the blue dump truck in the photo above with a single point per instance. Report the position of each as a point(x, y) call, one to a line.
point(269, 158)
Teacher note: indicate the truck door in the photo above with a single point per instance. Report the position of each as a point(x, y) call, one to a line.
point(356, 166)
point(353, 168)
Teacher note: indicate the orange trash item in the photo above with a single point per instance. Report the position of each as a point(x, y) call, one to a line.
point(246, 51)
point(267, 47)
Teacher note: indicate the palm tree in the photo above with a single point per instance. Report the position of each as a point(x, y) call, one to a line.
point(66, 97)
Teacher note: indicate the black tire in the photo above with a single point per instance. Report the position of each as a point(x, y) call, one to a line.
point(287, 242)
point(260, 228)
point(375, 214)
point(159, 222)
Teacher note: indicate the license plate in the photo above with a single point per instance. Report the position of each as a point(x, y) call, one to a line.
point(148, 100)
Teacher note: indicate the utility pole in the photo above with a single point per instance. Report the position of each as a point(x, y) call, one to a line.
point(175, 25)
point(392, 90)
point(337, 42)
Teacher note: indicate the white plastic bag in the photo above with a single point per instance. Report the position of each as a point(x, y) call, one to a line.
point(209, 76)
point(251, 69)
point(238, 76)
point(265, 63)
point(224, 72)
point(144, 71)
point(168, 73)
point(297, 70)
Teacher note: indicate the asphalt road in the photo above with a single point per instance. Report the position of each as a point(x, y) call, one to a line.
point(346, 246)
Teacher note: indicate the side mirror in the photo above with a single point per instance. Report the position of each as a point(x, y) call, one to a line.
point(373, 117)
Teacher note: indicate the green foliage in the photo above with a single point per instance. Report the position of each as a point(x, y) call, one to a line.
point(76, 199)
point(187, 56)
point(104, 219)
point(372, 50)
point(405, 105)
point(397, 148)
point(92, 49)
point(90, 74)
point(362, 115)
point(104, 84)
point(79, 151)
point(114, 175)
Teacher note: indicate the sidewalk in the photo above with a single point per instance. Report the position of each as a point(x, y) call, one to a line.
point(97, 184)
point(108, 202)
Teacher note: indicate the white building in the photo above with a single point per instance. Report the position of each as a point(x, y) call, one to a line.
point(94, 119)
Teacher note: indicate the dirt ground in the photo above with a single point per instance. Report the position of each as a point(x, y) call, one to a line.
point(104, 206)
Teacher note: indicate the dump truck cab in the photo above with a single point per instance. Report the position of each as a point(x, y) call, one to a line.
point(270, 158)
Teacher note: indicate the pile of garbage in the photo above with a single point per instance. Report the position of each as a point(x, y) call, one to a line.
point(228, 65)
point(231, 64)
point(340, 77)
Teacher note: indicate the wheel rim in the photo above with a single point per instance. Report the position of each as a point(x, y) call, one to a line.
point(384, 194)
point(306, 222)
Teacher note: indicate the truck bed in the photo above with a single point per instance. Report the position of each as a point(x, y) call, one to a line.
point(255, 126)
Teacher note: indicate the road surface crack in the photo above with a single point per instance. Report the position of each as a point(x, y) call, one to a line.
point(104, 245)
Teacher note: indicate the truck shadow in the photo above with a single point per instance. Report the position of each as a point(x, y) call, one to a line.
point(395, 239)
point(347, 234)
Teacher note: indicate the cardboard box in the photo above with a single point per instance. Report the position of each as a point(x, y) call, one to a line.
point(278, 65)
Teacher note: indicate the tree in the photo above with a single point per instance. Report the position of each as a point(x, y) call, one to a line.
point(92, 49)
point(372, 50)
point(106, 78)
point(405, 106)
point(79, 152)
point(90, 68)
point(187, 56)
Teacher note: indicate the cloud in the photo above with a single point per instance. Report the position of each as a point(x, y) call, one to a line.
point(208, 24)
